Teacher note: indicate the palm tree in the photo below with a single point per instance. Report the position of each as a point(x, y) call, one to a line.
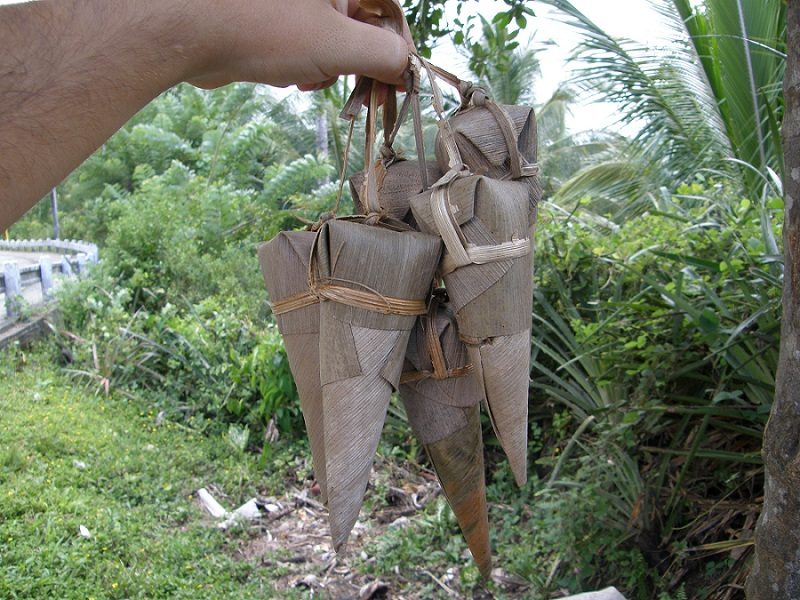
point(504, 68)
point(708, 100)
point(775, 568)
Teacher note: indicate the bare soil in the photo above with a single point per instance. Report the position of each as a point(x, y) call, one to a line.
point(293, 534)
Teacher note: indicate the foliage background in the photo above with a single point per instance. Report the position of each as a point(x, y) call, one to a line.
point(655, 313)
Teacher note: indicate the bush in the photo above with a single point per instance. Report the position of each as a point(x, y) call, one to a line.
point(208, 365)
point(662, 335)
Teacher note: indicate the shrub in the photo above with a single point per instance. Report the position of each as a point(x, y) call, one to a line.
point(663, 332)
point(208, 364)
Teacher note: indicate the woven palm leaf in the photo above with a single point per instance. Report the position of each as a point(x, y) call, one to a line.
point(490, 294)
point(484, 132)
point(386, 13)
point(284, 264)
point(443, 407)
point(373, 282)
point(400, 181)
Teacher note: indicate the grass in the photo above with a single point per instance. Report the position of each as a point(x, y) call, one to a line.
point(70, 459)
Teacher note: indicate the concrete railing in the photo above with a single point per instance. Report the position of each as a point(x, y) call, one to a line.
point(54, 246)
point(76, 256)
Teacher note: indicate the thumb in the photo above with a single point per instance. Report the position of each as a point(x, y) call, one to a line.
point(357, 48)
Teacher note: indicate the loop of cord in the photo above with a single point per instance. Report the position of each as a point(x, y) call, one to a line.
point(440, 371)
point(345, 163)
point(477, 96)
point(507, 129)
point(458, 252)
point(293, 303)
point(371, 301)
point(364, 299)
point(367, 299)
point(447, 226)
point(415, 376)
point(454, 159)
point(433, 342)
point(372, 218)
point(481, 255)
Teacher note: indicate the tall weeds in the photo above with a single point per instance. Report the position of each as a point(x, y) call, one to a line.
point(664, 331)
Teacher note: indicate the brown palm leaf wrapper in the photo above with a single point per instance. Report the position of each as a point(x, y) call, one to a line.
point(284, 264)
point(483, 132)
point(373, 282)
point(486, 225)
point(442, 400)
point(400, 182)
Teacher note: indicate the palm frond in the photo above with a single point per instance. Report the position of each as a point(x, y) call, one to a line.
point(664, 90)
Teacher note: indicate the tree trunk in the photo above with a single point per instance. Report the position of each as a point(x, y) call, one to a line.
point(776, 568)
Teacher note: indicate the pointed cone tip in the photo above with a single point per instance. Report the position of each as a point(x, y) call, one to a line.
point(458, 462)
point(475, 533)
point(485, 568)
point(340, 547)
point(521, 474)
point(506, 386)
point(340, 528)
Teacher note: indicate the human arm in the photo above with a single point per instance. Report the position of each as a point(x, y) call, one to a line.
point(73, 71)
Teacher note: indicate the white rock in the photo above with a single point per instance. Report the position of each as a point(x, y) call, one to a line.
point(607, 594)
point(84, 532)
point(210, 504)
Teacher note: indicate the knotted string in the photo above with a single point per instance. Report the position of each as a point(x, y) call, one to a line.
point(435, 352)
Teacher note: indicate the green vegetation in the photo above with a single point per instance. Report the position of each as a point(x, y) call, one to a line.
point(70, 459)
point(656, 323)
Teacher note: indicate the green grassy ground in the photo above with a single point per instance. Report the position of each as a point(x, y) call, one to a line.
point(69, 459)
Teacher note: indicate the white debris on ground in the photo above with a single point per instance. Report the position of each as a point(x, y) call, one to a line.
point(208, 501)
point(292, 532)
point(249, 511)
point(607, 594)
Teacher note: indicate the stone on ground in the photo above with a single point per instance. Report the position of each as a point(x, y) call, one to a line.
point(607, 594)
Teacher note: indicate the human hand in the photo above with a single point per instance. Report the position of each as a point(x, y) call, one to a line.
point(109, 59)
point(309, 43)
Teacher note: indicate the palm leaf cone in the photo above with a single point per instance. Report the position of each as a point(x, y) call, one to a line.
point(499, 142)
point(284, 264)
point(443, 409)
point(484, 147)
point(399, 182)
point(492, 301)
point(362, 347)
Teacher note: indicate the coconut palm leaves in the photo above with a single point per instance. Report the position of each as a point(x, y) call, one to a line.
point(697, 98)
point(740, 44)
point(502, 66)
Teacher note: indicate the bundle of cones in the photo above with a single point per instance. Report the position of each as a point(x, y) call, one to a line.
point(427, 293)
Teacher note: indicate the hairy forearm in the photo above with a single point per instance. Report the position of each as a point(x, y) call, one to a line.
point(72, 72)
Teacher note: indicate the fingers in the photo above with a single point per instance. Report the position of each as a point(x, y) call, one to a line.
point(315, 87)
point(355, 11)
point(308, 44)
point(362, 49)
